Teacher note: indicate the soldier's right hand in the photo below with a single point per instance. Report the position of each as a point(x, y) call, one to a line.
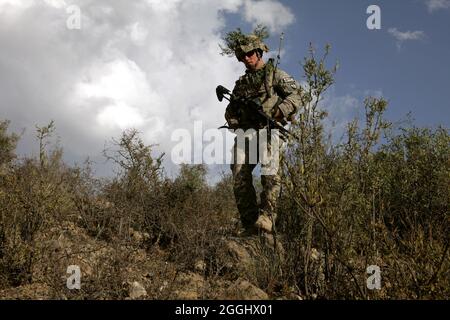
point(233, 124)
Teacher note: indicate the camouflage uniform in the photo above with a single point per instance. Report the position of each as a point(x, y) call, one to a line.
point(274, 88)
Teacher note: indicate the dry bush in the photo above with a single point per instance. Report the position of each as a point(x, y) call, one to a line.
point(200, 215)
point(362, 203)
point(33, 197)
point(8, 144)
point(185, 216)
point(134, 192)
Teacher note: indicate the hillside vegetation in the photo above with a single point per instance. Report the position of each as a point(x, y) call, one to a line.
point(380, 196)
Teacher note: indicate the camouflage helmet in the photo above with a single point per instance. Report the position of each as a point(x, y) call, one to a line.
point(239, 44)
point(251, 43)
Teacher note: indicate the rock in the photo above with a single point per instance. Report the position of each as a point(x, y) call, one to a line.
point(293, 296)
point(186, 295)
point(190, 286)
point(244, 290)
point(137, 290)
point(239, 254)
point(241, 257)
point(200, 266)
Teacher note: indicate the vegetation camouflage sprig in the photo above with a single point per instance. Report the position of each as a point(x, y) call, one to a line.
point(236, 38)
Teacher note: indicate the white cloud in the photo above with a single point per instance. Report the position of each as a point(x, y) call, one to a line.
point(268, 12)
point(149, 64)
point(120, 115)
point(56, 3)
point(17, 4)
point(435, 5)
point(406, 36)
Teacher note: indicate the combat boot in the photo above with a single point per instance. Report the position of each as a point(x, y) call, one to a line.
point(264, 223)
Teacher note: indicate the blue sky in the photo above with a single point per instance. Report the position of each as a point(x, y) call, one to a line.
point(414, 77)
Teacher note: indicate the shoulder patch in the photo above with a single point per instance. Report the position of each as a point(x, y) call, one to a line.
point(289, 81)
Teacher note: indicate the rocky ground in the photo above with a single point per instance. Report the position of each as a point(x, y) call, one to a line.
point(134, 271)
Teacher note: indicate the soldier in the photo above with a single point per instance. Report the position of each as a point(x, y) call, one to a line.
point(280, 97)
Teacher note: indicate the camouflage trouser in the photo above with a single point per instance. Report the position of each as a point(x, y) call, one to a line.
point(244, 191)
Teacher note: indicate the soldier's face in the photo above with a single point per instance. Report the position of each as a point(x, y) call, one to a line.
point(251, 60)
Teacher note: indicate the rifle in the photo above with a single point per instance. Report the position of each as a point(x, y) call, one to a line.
point(255, 105)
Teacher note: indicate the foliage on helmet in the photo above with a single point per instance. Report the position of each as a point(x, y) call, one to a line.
point(236, 40)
